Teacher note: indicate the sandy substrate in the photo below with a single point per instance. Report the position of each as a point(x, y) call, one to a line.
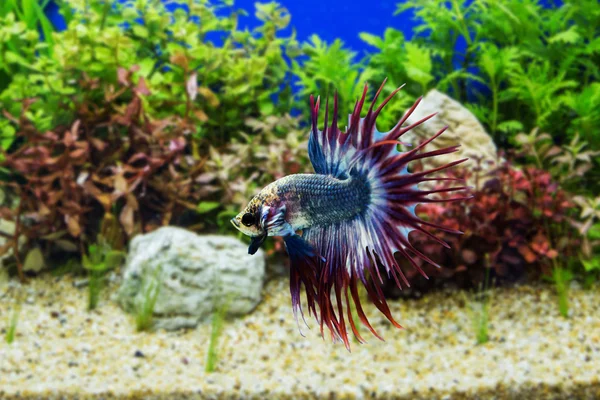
point(62, 351)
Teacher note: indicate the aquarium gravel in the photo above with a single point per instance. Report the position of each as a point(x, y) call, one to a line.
point(61, 350)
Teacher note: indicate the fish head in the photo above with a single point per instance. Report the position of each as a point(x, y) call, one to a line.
point(261, 217)
point(249, 221)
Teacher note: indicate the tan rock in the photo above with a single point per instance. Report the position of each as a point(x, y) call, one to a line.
point(8, 228)
point(463, 129)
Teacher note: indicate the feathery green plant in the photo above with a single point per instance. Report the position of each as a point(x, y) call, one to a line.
point(541, 65)
point(144, 311)
point(411, 67)
point(330, 68)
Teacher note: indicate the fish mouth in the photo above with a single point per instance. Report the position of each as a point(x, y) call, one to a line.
point(235, 222)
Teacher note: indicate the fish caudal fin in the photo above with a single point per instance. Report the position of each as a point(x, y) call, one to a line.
point(352, 251)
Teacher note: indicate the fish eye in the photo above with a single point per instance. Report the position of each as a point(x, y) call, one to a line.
point(248, 219)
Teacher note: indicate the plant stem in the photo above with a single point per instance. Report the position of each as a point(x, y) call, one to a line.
point(104, 14)
point(95, 281)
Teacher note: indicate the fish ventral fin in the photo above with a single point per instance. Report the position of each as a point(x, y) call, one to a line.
point(332, 260)
point(304, 262)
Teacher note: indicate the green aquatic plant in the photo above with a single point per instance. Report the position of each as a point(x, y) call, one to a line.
point(100, 259)
point(21, 22)
point(329, 68)
point(144, 310)
point(588, 225)
point(401, 63)
point(12, 324)
point(217, 324)
point(561, 277)
point(124, 111)
point(504, 59)
point(479, 305)
point(497, 63)
point(184, 73)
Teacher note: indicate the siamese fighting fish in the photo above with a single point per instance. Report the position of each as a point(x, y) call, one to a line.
point(343, 224)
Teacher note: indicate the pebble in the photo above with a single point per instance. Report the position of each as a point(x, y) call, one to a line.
point(533, 351)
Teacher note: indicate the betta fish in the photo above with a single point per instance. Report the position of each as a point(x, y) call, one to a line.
point(344, 223)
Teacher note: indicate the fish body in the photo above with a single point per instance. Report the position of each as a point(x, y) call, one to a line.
point(347, 221)
point(315, 200)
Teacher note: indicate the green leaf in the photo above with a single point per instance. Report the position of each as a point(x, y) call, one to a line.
point(140, 31)
point(594, 232)
point(418, 64)
point(592, 264)
point(146, 67)
point(570, 36)
point(15, 58)
point(371, 39)
point(510, 126)
point(7, 135)
point(207, 206)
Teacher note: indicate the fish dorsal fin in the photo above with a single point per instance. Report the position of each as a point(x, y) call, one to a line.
point(333, 151)
point(328, 149)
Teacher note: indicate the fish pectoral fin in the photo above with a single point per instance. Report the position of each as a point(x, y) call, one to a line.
point(297, 247)
point(256, 243)
point(274, 222)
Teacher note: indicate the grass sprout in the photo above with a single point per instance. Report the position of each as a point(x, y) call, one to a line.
point(144, 313)
point(100, 259)
point(480, 310)
point(12, 324)
point(218, 321)
point(562, 278)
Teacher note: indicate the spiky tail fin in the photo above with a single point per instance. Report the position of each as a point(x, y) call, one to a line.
point(354, 249)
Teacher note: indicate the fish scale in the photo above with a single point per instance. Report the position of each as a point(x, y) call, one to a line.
point(321, 200)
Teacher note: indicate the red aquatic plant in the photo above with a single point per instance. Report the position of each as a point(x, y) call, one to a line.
point(517, 223)
point(114, 172)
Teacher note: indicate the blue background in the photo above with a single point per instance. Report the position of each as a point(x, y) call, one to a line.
point(330, 19)
point(337, 19)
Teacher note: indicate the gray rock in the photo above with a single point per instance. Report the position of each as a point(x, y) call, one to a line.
point(463, 129)
point(195, 274)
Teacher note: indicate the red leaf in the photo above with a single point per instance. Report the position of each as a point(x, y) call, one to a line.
point(75, 129)
point(142, 88)
point(78, 153)
point(123, 76)
point(526, 252)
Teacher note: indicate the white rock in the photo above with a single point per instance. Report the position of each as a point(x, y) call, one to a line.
point(196, 274)
point(463, 129)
